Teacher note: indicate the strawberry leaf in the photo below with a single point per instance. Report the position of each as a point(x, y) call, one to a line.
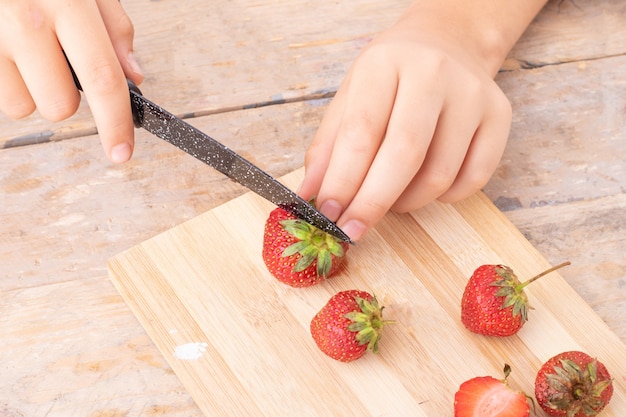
point(297, 228)
point(304, 262)
point(294, 248)
point(324, 263)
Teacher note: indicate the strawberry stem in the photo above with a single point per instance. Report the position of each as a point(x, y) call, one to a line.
point(546, 272)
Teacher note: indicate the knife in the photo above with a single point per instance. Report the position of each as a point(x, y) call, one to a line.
point(181, 134)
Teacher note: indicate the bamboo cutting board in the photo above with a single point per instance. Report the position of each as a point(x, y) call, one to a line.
point(239, 340)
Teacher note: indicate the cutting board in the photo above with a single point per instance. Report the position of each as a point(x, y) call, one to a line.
point(239, 340)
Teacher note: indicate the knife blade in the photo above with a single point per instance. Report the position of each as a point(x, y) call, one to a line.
point(198, 144)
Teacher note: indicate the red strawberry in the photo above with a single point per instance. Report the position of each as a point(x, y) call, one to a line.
point(573, 384)
point(297, 253)
point(494, 302)
point(349, 325)
point(485, 396)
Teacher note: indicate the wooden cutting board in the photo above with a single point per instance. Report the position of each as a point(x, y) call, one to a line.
point(239, 340)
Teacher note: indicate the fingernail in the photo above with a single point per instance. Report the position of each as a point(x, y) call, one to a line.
point(120, 153)
point(134, 65)
point(354, 228)
point(331, 209)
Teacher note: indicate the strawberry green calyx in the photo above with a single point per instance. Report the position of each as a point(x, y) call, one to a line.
point(513, 290)
point(367, 323)
point(313, 244)
point(577, 389)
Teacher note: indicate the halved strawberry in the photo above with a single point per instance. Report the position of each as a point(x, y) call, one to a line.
point(486, 396)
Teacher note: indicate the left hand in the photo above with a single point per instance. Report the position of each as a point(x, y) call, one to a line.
point(417, 118)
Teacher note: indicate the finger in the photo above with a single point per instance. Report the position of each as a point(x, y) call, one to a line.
point(407, 139)
point(368, 103)
point(485, 151)
point(121, 31)
point(317, 156)
point(101, 77)
point(15, 100)
point(457, 124)
point(42, 66)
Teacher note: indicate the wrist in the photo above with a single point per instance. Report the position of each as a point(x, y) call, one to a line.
point(484, 30)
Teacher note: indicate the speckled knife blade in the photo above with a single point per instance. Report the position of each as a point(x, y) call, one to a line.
point(172, 129)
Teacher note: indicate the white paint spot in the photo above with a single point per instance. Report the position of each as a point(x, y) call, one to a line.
point(190, 351)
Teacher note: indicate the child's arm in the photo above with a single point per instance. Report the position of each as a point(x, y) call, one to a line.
point(97, 37)
point(418, 116)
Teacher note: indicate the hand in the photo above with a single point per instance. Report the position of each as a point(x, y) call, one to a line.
point(97, 37)
point(417, 118)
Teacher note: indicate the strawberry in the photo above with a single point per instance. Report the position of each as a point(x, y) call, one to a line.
point(573, 384)
point(494, 302)
point(485, 396)
point(349, 325)
point(297, 253)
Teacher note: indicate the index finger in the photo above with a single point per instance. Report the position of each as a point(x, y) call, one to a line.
point(100, 73)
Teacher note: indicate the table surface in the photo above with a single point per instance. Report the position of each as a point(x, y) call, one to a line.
point(258, 76)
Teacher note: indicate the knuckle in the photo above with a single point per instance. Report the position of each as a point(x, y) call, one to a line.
point(477, 180)
point(345, 182)
point(358, 126)
point(406, 203)
point(359, 137)
point(125, 26)
point(104, 77)
point(504, 105)
point(408, 147)
point(500, 102)
point(313, 153)
point(59, 109)
point(402, 206)
point(438, 181)
point(374, 211)
point(18, 111)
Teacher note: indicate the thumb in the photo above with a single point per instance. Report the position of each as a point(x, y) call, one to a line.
point(121, 31)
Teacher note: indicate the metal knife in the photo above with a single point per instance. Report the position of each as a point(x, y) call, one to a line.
point(181, 134)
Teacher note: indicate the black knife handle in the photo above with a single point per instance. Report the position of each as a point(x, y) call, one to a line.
point(136, 109)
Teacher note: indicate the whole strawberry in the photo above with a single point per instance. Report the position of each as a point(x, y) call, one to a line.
point(348, 326)
point(297, 253)
point(494, 302)
point(486, 396)
point(573, 384)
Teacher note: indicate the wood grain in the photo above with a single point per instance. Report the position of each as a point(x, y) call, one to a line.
point(204, 282)
point(65, 209)
point(200, 59)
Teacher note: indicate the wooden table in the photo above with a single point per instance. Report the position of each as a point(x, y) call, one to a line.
point(258, 75)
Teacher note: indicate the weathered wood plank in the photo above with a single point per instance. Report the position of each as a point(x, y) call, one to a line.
point(58, 359)
point(65, 209)
point(568, 135)
point(200, 59)
point(572, 30)
point(555, 155)
point(591, 234)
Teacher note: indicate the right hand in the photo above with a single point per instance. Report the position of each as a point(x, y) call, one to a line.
point(97, 37)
